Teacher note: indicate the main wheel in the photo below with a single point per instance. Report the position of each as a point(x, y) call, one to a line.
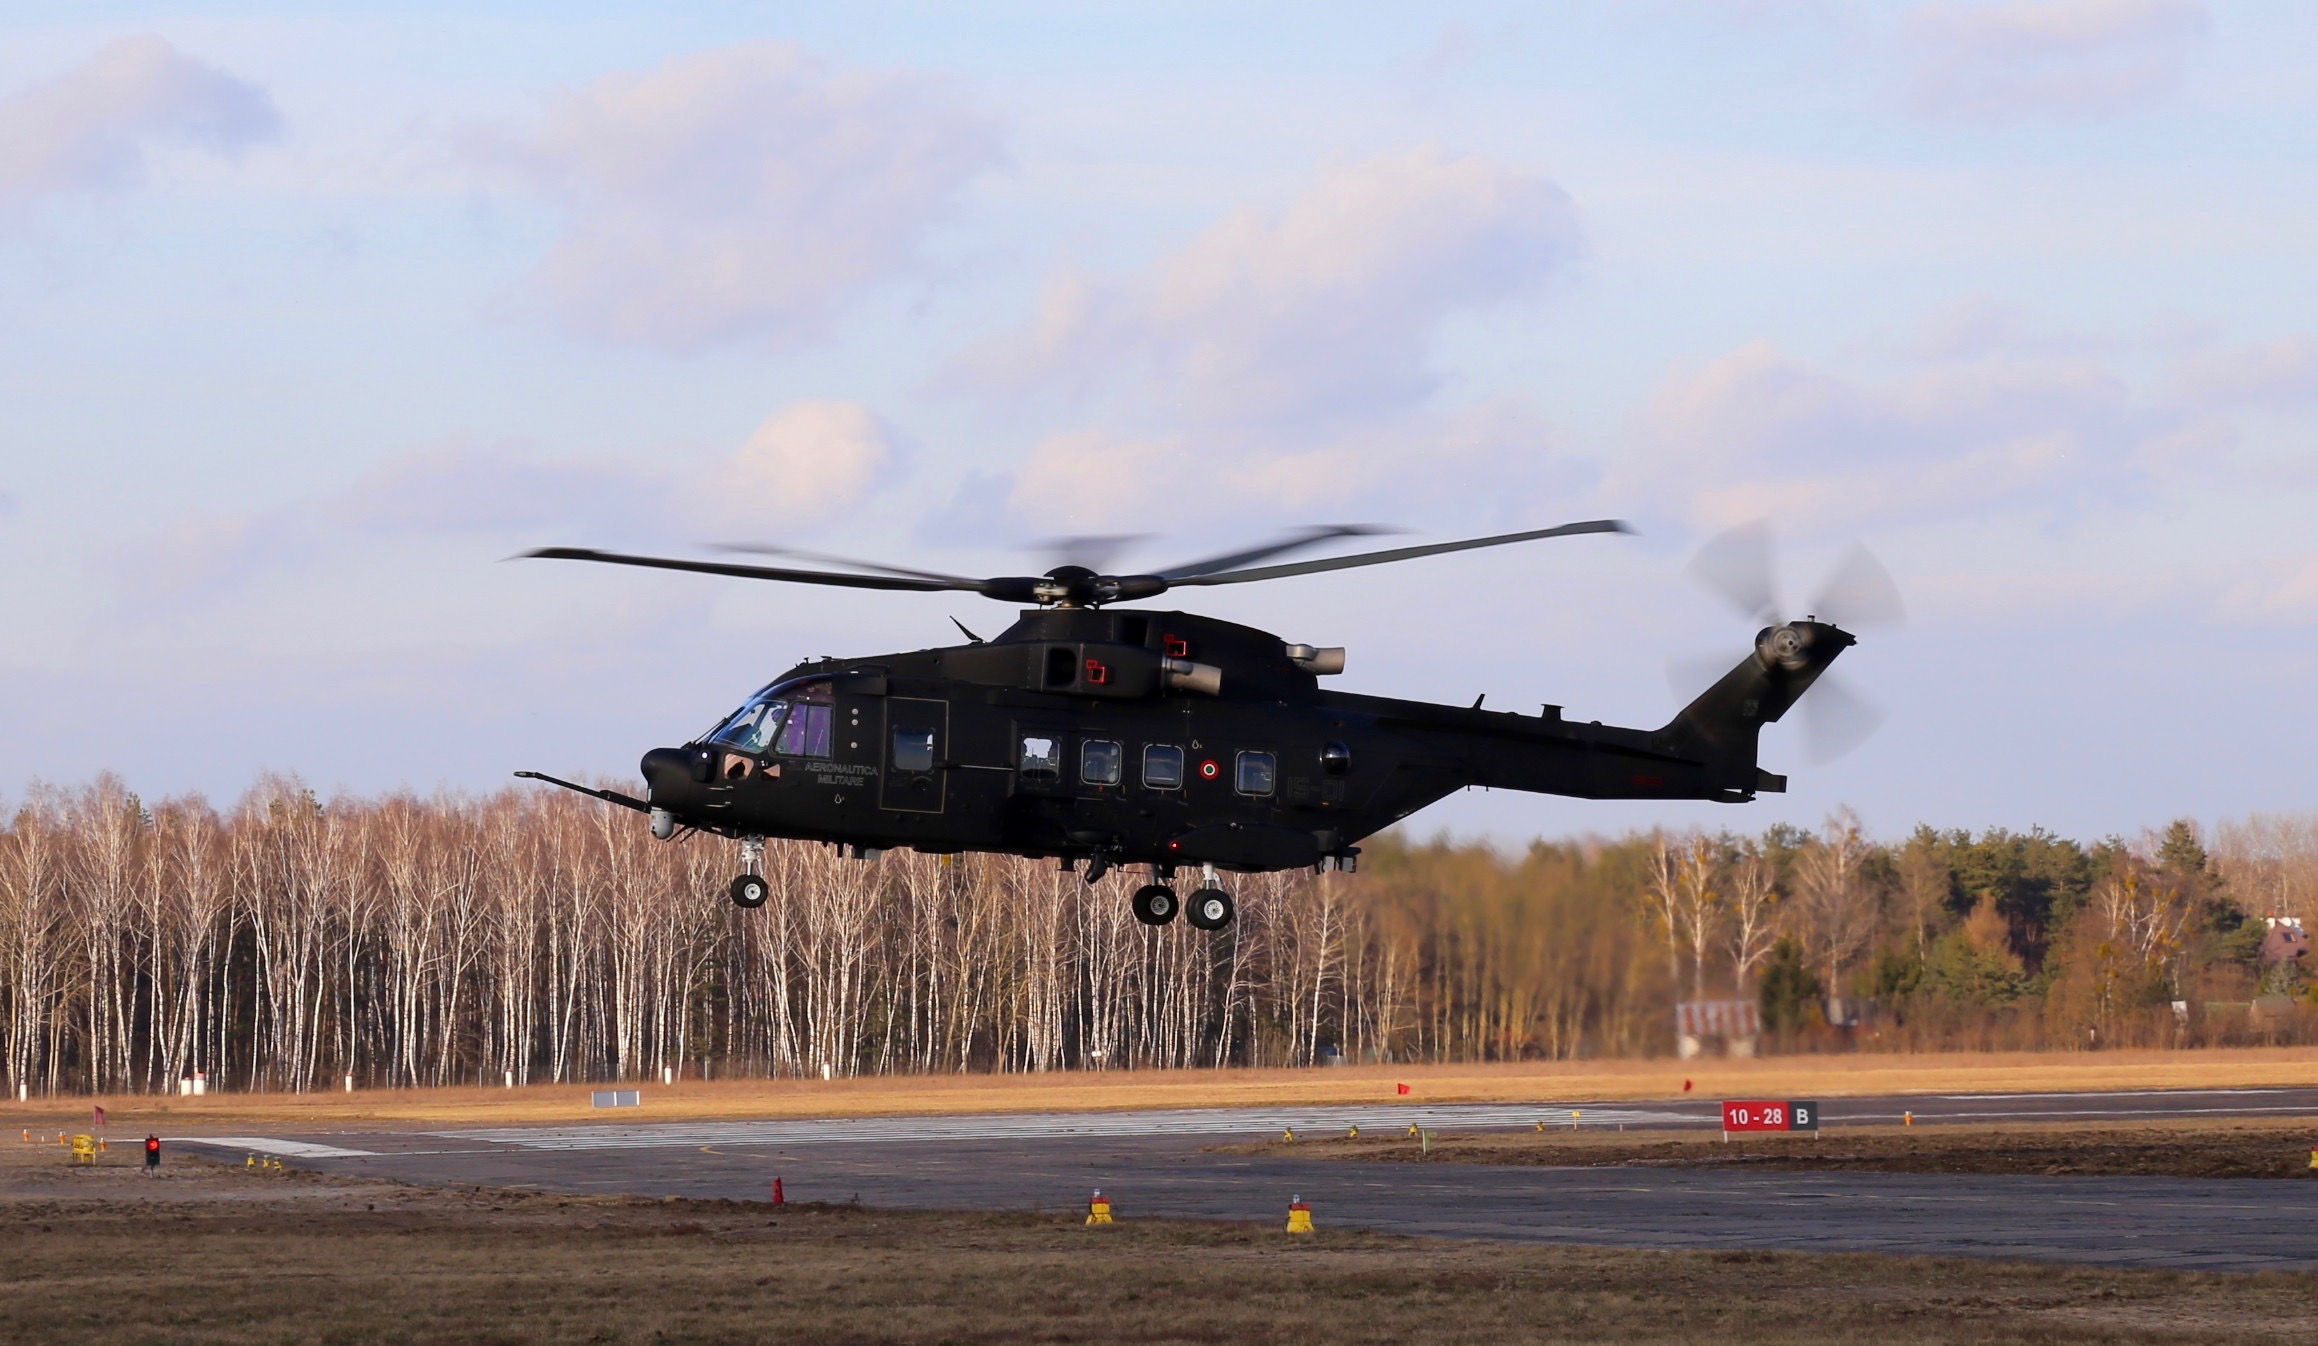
point(1209, 909)
point(1155, 904)
point(750, 890)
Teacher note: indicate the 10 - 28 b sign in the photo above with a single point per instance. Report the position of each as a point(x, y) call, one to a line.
point(1759, 1115)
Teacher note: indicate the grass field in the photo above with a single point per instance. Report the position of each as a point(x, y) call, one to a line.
point(208, 1253)
point(2255, 1148)
point(1768, 1077)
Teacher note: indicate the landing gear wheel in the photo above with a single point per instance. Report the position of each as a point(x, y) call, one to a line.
point(1155, 904)
point(1208, 909)
point(750, 890)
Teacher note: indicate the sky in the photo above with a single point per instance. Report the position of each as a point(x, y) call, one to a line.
point(311, 316)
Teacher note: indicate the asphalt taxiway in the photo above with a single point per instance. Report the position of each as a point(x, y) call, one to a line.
point(1161, 1163)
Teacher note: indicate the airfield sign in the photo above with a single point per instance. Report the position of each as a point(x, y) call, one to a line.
point(1767, 1115)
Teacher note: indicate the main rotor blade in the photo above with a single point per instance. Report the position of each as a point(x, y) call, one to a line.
point(767, 549)
point(1094, 551)
point(1736, 565)
point(1860, 593)
point(1376, 558)
point(1297, 541)
point(756, 572)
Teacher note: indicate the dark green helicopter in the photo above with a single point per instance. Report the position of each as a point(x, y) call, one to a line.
point(1127, 736)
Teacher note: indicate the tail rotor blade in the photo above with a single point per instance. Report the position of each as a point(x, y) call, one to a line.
point(1836, 719)
point(1860, 592)
point(1737, 566)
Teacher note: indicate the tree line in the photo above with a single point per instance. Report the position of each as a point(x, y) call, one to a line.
point(291, 943)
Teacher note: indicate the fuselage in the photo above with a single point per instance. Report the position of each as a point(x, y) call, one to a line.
point(1161, 738)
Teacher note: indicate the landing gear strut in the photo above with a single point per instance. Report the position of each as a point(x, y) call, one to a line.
point(750, 890)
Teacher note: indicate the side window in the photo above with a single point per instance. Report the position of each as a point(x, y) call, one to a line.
point(1041, 758)
point(913, 749)
point(1162, 767)
point(1099, 762)
point(1258, 773)
point(812, 720)
point(808, 731)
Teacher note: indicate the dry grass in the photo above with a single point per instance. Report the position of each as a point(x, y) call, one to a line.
point(1768, 1077)
point(218, 1254)
point(2254, 1148)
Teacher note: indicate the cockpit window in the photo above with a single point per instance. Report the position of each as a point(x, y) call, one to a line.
point(754, 726)
point(795, 719)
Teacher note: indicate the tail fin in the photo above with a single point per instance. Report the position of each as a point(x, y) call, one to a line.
point(1721, 726)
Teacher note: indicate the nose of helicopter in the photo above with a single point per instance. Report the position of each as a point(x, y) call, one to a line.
point(668, 772)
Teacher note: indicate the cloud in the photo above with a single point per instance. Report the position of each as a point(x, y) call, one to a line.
point(742, 193)
point(2285, 589)
point(1757, 432)
point(91, 130)
point(504, 490)
point(2014, 60)
point(808, 461)
point(1278, 363)
point(2281, 373)
point(1469, 466)
point(1322, 311)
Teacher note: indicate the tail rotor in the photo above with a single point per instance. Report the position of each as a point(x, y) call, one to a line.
point(1740, 566)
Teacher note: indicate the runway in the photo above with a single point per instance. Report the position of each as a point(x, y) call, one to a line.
point(1158, 1163)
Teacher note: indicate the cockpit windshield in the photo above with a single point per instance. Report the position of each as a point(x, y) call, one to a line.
point(755, 726)
point(794, 719)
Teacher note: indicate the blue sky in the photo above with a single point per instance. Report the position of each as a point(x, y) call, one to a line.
point(309, 316)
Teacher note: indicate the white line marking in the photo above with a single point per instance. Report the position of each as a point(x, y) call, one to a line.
point(2078, 1112)
point(1317, 1122)
point(294, 1149)
point(2127, 1093)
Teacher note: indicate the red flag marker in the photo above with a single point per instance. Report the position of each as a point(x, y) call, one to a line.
point(1402, 1088)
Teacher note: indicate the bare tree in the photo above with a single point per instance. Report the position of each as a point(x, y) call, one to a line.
point(1751, 902)
point(1836, 902)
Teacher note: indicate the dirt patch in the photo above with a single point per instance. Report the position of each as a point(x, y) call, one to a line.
point(222, 1253)
point(1531, 1081)
point(2248, 1149)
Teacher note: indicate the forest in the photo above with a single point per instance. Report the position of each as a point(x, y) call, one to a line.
point(295, 943)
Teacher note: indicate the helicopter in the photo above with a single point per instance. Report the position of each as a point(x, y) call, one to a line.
point(1106, 737)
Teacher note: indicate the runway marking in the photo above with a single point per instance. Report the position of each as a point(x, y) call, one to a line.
point(1317, 1121)
point(2071, 1112)
point(291, 1149)
point(2130, 1093)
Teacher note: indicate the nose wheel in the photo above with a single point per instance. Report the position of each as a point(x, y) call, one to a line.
point(1155, 904)
point(750, 890)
